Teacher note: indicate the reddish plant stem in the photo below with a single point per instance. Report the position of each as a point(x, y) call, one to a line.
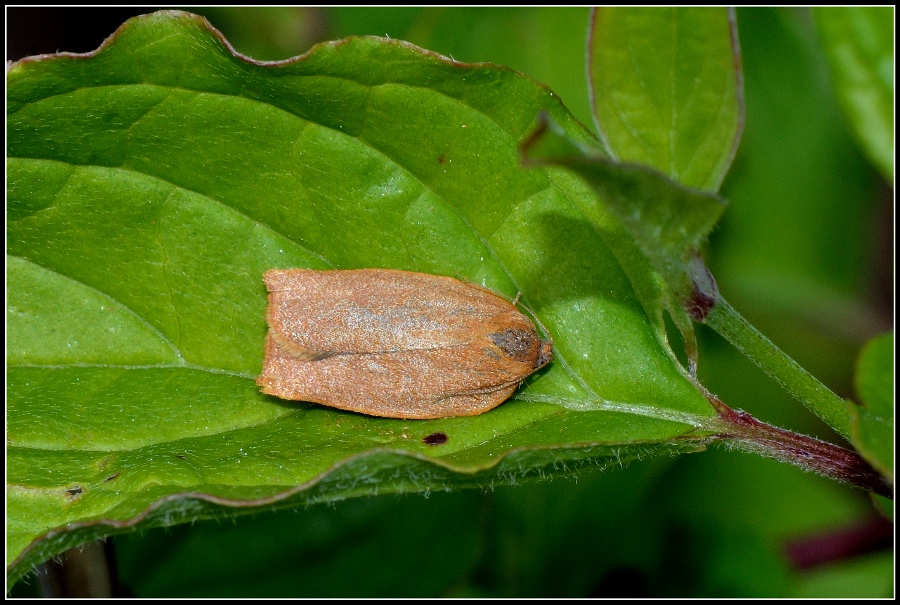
point(746, 432)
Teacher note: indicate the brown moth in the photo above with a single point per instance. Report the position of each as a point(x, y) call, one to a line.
point(394, 343)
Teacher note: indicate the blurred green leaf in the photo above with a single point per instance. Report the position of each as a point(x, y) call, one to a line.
point(875, 375)
point(873, 429)
point(267, 33)
point(732, 540)
point(666, 88)
point(364, 547)
point(859, 41)
point(799, 251)
point(152, 183)
point(865, 577)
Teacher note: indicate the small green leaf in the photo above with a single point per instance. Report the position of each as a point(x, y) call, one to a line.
point(151, 183)
point(859, 41)
point(873, 428)
point(666, 89)
point(665, 220)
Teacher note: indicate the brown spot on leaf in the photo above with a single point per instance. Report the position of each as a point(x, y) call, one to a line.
point(436, 439)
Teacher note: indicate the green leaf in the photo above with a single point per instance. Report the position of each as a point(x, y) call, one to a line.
point(653, 225)
point(859, 41)
point(873, 422)
point(667, 223)
point(150, 184)
point(666, 89)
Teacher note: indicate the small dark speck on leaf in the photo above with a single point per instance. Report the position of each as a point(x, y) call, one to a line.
point(111, 477)
point(74, 492)
point(435, 439)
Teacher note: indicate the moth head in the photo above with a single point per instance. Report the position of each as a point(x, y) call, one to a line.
point(524, 345)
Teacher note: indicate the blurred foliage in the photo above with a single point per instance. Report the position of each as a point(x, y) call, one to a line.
point(873, 431)
point(802, 251)
point(859, 42)
point(665, 89)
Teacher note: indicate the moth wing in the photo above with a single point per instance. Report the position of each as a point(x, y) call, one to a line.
point(377, 310)
point(394, 344)
point(294, 349)
point(464, 380)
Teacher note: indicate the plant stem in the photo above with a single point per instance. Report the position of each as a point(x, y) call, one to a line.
point(743, 431)
point(773, 361)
